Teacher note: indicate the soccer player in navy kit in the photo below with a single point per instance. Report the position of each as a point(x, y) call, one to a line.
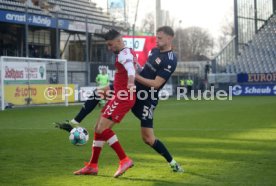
point(157, 70)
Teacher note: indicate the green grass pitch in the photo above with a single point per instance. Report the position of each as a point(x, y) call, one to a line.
point(217, 142)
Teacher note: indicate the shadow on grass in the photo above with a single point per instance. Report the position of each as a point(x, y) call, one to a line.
point(154, 181)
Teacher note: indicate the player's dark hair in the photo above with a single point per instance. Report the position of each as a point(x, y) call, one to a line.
point(167, 30)
point(110, 35)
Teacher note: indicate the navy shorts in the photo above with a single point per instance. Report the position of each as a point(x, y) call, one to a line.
point(143, 110)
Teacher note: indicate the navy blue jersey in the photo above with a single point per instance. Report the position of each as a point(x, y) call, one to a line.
point(161, 64)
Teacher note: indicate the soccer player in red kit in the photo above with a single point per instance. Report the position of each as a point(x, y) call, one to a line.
point(116, 108)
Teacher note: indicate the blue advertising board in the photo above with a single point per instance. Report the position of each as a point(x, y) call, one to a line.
point(32, 19)
point(63, 24)
point(254, 90)
point(257, 78)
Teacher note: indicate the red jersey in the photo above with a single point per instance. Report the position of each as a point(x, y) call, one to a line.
point(116, 108)
point(126, 55)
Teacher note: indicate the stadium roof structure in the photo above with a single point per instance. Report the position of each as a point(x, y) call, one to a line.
point(68, 15)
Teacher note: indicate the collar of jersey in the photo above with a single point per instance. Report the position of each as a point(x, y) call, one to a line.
point(119, 51)
point(164, 52)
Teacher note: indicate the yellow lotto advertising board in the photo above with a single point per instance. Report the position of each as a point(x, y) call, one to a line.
point(38, 94)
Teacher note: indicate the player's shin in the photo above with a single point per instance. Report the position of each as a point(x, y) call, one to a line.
point(97, 146)
point(159, 147)
point(110, 137)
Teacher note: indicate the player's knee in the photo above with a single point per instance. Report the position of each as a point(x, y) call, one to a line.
point(99, 128)
point(148, 140)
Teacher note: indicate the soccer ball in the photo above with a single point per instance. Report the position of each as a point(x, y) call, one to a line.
point(78, 136)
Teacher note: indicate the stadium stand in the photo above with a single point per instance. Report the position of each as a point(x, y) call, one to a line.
point(259, 55)
point(57, 29)
point(67, 9)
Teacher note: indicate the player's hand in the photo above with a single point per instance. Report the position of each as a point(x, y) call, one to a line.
point(138, 68)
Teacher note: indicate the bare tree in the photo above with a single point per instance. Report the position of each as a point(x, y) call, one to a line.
point(195, 43)
point(167, 19)
point(227, 32)
point(148, 24)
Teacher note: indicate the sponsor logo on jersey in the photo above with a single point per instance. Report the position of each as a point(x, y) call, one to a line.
point(158, 60)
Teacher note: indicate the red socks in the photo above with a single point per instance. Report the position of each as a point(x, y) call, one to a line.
point(97, 146)
point(99, 139)
point(110, 137)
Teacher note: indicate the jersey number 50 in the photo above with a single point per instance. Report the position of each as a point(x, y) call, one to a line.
point(148, 111)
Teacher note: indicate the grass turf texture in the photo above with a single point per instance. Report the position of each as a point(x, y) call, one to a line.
point(217, 142)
